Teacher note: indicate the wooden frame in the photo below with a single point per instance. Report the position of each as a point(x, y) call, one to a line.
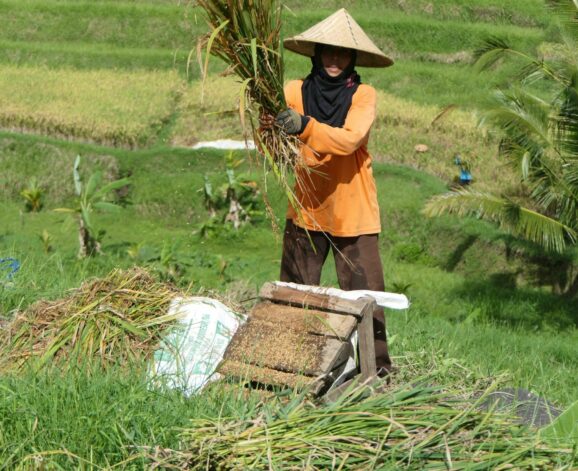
point(312, 315)
point(362, 309)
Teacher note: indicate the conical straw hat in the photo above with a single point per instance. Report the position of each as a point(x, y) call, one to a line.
point(339, 29)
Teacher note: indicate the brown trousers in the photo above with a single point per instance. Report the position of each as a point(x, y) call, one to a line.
point(357, 264)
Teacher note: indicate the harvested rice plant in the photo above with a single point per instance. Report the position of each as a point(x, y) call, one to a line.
point(485, 356)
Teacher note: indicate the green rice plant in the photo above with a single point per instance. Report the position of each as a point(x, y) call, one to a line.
point(108, 321)
point(207, 111)
point(127, 24)
point(411, 426)
point(247, 37)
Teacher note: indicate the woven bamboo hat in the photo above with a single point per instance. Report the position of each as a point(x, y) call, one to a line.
point(339, 29)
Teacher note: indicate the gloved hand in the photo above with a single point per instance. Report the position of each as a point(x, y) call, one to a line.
point(290, 121)
point(266, 121)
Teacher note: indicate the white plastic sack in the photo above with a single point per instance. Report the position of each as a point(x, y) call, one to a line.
point(192, 350)
point(226, 144)
point(382, 298)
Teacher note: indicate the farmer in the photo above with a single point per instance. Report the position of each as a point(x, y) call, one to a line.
point(331, 111)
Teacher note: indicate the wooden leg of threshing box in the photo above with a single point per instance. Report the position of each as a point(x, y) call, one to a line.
point(367, 364)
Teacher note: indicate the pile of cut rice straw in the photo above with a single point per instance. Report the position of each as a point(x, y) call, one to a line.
point(412, 426)
point(113, 320)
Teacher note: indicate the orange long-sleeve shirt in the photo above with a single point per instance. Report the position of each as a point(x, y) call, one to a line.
point(338, 194)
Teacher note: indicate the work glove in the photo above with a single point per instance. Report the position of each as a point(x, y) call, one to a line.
point(266, 121)
point(291, 121)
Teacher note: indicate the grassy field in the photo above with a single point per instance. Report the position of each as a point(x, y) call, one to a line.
point(453, 287)
point(120, 41)
point(108, 80)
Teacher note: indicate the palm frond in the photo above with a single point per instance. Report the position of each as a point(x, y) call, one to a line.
point(538, 69)
point(508, 215)
point(528, 142)
point(490, 52)
point(567, 13)
point(565, 122)
point(539, 138)
point(524, 119)
point(493, 49)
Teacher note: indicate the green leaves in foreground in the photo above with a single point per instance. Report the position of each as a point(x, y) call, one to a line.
point(409, 427)
point(564, 428)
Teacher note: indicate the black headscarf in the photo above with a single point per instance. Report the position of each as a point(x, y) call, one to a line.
point(326, 98)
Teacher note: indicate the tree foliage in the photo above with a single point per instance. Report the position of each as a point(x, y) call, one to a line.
point(539, 139)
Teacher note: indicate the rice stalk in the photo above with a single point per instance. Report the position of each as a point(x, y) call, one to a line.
point(411, 427)
point(106, 321)
point(246, 35)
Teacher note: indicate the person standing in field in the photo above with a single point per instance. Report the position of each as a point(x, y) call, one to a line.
point(332, 112)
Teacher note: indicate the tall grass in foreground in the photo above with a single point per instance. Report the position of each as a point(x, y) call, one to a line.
point(107, 419)
point(115, 420)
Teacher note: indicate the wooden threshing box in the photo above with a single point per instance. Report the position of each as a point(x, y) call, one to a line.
point(299, 339)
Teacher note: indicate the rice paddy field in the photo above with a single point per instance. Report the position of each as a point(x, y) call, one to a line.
point(115, 82)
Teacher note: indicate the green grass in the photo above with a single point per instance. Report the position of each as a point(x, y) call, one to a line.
point(517, 12)
point(86, 55)
point(119, 23)
point(105, 419)
point(145, 35)
point(115, 418)
point(432, 50)
point(467, 286)
point(477, 310)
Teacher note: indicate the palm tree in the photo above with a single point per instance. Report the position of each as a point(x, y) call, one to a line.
point(539, 139)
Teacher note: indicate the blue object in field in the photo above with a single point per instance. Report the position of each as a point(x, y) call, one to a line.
point(465, 177)
point(10, 265)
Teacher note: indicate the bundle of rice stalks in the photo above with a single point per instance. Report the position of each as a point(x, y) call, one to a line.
point(246, 35)
point(106, 321)
point(412, 427)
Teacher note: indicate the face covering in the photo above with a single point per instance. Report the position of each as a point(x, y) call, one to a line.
point(326, 98)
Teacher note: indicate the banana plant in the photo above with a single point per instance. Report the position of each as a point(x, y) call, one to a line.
point(90, 198)
point(238, 194)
